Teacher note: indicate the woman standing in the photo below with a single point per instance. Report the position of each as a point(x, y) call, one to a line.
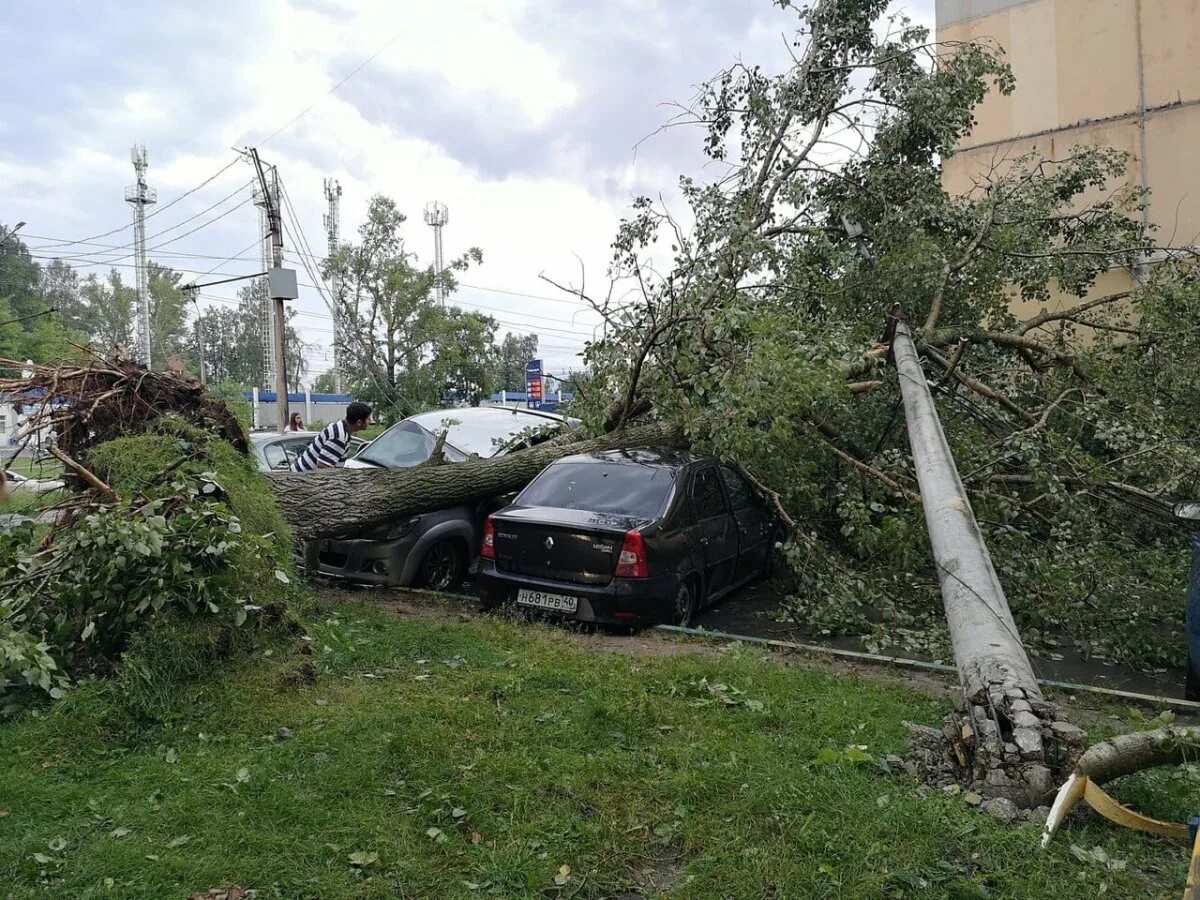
point(294, 423)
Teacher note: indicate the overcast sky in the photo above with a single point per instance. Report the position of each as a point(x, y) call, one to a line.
point(523, 117)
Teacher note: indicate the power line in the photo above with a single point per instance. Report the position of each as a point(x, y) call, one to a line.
point(161, 209)
point(362, 65)
point(83, 258)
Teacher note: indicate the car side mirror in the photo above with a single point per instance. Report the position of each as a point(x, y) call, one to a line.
point(1187, 511)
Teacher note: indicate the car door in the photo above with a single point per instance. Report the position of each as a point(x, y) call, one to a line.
point(753, 524)
point(716, 530)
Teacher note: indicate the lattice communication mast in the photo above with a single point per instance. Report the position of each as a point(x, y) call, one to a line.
point(140, 196)
point(437, 215)
point(332, 221)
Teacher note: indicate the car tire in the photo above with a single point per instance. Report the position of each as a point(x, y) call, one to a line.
point(443, 566)
point(686, 602)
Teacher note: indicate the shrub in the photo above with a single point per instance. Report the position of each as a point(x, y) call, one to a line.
point(194, 556)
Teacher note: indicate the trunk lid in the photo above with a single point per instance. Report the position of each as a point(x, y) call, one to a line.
point(566, 545)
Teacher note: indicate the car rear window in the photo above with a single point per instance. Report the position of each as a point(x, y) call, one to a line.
point(630, 490)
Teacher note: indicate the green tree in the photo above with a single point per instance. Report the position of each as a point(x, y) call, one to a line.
point(168, 332)
point(29, 327)
point(512, 354)
point(230, 339)
point(107, 314)
point(756, 331)
point(392, 328)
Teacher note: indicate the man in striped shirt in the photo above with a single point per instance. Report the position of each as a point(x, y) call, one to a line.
point(329, 447)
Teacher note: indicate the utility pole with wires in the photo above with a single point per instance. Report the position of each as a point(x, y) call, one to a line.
point(264, 196)
point(281, 283)
point(437, 216)
point(332, 221)
point(140, 196)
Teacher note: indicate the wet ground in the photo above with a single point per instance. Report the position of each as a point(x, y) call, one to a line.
point(754, 611)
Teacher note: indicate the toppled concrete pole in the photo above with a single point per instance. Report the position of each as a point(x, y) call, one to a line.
point(987, 648)
point(1004, 742)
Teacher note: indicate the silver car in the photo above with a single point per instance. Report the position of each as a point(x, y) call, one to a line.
point(31, 487)
point(433, 549)
point(275, 452)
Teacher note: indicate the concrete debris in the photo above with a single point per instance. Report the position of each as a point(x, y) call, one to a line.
point(1002, 808)
point(1067, 732)
point(1016, 750)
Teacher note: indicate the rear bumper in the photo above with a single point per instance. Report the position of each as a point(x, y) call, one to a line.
point(620, 602)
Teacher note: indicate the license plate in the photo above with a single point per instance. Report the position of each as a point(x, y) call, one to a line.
point(542, 600)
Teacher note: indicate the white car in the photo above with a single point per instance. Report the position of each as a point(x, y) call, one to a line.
point(22, 484)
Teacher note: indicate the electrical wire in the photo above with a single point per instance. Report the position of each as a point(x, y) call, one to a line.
point(162, 208)
point(362, 65)
point(85, 258)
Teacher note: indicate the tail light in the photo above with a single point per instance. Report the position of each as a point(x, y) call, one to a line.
point(632, 561)
point(488, 550)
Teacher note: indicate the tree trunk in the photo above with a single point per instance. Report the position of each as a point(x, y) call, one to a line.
point(1129, 753)
point(347, 502)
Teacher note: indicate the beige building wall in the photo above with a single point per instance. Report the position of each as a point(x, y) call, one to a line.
point(1116, 73)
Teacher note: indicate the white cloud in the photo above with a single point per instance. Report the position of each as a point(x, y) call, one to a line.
point(465, 82)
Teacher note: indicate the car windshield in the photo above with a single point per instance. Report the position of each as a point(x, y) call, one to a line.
point(621, 489)
point(469, 431)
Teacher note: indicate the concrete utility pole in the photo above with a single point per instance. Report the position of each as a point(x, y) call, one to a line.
point(988, 651)
point(276, 292)
point(437, 216)
point(332, 220)
point(263, 200)
point(140, 196)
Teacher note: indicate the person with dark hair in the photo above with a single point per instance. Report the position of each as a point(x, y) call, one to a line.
point(329, 447)
point(295, 423)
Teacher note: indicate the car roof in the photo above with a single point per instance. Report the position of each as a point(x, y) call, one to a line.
point(264, 437)
point(643, 456)
point(435, 416)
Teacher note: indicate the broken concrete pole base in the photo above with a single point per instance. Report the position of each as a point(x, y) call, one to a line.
point(1002, 747)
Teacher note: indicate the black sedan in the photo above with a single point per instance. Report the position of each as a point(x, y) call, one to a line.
point(627, 537)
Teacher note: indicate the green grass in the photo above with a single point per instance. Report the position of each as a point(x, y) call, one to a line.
point(478, 759)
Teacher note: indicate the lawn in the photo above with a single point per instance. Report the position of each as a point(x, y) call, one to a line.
point(472, 759)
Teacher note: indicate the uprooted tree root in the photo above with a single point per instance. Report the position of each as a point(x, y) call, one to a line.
point(87, 404)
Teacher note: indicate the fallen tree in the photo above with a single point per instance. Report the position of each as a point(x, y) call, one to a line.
point(347, 502)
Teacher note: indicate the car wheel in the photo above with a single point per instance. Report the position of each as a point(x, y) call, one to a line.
point(686, 601)
point(443, 567)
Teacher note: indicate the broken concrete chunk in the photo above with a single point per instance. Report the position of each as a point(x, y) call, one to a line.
point(1040, 780)
point(1067, 732)
point(997, 778)
point(1029, 742)
point(1002, 808)
point(1026, 720)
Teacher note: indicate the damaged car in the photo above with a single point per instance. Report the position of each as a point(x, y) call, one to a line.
point(434, 550)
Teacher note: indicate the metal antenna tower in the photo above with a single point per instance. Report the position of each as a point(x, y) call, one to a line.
point(332, 221)
point(436, 217)
point(267, 308)
point(140, 195)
